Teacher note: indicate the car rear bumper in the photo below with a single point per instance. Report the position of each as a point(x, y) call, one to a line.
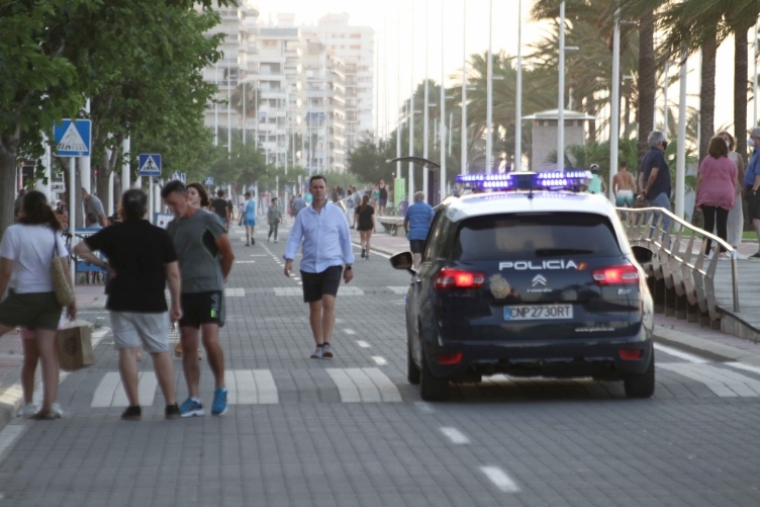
point(598, 357)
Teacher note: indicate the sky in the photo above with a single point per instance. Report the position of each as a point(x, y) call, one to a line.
point(394, 19)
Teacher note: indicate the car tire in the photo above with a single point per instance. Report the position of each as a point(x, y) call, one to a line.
point(412, 372)
point(432, 388)
point(641, 385)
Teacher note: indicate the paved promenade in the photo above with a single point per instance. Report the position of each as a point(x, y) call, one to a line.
point(351, 431)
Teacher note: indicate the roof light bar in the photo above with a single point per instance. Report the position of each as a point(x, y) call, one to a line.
point(526, 180)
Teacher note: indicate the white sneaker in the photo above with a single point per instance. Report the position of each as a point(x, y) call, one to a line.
point(29, 410)
point(56, 408)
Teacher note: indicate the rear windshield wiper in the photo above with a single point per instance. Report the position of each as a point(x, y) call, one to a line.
point(549, 252)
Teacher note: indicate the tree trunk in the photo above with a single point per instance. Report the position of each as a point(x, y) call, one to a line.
point(741, 70)
point(8, 160)
point(707, 96)
point(647, 82)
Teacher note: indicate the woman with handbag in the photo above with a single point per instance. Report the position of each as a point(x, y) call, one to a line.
point(716, 189)
point(33, 266)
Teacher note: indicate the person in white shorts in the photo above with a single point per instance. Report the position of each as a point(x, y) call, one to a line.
point(624, 186)
point(141, 260)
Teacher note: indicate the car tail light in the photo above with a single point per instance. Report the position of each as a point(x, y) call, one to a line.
point(454, 358)
point(624, 274)
point(459, 279)
point(631, 354)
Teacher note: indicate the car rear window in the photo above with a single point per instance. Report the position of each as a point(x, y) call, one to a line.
point(535, 235)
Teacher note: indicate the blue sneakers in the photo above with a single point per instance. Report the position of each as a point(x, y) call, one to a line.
point(219, 407)
point(191, 407)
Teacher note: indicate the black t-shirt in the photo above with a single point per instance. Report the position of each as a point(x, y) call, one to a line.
point(219, 206)
point(137, 251)
point(384, 193)
point(365, 218)
point(656, 158)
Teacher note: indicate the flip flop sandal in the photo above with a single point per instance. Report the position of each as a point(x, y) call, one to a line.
point(46, 416)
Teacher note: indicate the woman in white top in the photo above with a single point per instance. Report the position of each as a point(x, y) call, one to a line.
point(736, 214)
point(26, 251)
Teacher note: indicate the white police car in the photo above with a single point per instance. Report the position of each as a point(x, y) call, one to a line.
point(530, 277)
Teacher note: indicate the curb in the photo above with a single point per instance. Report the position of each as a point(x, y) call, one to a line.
point(708, 349)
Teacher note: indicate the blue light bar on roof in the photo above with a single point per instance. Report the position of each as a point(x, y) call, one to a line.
point(525, 180)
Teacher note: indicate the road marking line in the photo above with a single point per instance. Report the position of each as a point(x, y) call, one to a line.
point(379, 360)
point(266, 387)
point(349, 331)
point(500, 479)
point(456, 436)
point(245, 262)
point(234, 293)
point(110, 392)
point(399, 289)
point(362, 344)
point(104, 393)
point(742, 366)
point(388, 390)
point(346, 388)
point(374, 252)
point(367, 389)
point(679, 354)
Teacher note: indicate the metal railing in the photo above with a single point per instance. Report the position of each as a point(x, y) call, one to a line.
point(690, 274)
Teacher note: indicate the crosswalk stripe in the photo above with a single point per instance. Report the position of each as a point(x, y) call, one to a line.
point(234, 293)
point(723, 383)
point(369, 385)
point(251, 387)
point(402, 289)
point(110, 391)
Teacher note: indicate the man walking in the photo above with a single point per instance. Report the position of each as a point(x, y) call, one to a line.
point(417, 224)
point(94, 205)
point(624, 186)
point(222, 210)
point(274, 217)
point(323, 230)
point(205, 260)
point(141, 259)
point(299, 203)
point(383, 200)
point(656, 173)
point(751, 185)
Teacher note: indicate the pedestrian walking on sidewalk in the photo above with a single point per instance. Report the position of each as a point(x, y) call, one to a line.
point(274, 217)
point(94, 205)
point(736, 215)
point(27, 251)
point(221, 209)
point(365, 220)
point(141, 260)
point(299, 203)
point(323, 231)
point(249, 219)
point(417, 222)
point(205, 260)
point(716, 189)
point(624, 187)
point(655, 184)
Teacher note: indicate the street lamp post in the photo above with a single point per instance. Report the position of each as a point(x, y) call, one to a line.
point(411, 114)
point(518, 102)
point(489, 94)
point(426, 110)
point(615, 106)
point(561, 98)
point(463, 169)
point(398, 98)
point(442, 143)
point(681, 159)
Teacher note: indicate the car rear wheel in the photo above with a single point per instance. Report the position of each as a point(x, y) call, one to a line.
point(432, 388)
point(641, 385)
point(412, 372)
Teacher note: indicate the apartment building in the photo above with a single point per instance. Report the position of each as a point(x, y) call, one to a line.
point(309, 96)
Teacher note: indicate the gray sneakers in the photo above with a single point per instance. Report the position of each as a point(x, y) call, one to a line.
point(326, 350)
point(319, 353)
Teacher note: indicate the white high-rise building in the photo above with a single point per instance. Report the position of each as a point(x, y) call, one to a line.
point(313, 95)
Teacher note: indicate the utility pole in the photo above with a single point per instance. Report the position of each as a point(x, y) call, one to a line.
point(561, 98)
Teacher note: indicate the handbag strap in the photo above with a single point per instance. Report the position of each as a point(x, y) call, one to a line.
point(55, 246)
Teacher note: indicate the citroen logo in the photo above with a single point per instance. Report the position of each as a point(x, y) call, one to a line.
point(539, 280)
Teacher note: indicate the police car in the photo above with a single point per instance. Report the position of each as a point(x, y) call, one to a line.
point(529, 277)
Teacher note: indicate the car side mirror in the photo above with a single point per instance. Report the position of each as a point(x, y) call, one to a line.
point(403, 260)
point(642, 255)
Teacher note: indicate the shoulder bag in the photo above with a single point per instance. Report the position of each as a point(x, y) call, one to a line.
point(64, 294)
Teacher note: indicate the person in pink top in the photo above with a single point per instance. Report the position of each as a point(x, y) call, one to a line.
point(716, 188)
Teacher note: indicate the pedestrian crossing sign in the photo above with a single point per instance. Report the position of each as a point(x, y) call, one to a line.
point(73, 138)
point(150, 164)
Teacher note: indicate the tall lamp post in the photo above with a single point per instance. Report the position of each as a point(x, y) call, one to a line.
point(411, 114)
point(561, 97)
point(615, 106)
point(441, 132)
point(489, 94)
point(425, 110)
point(463, 169)
point(518, 101)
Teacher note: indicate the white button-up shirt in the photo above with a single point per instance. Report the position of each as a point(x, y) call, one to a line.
point(326, 239)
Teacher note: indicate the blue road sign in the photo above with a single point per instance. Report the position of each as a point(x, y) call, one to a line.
point(209, 181)
point(150, 164)
point(73, 138)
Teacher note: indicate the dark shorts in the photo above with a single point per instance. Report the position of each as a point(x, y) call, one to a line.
point(753, 203)
point(417, 245)
point(315, 285)
point(383, 203)
point(34, 310)
point(200, 308)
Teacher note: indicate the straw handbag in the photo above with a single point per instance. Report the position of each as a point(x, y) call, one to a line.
point(64, 294)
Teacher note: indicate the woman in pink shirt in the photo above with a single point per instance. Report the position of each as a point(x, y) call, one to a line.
point(716, 188)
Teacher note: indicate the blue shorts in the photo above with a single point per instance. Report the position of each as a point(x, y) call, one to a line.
point(383, 202)
point(249, 222)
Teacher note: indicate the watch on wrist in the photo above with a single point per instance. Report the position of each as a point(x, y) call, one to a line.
point(348, 266)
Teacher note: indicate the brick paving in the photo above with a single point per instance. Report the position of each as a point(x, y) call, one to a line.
point(560, 443)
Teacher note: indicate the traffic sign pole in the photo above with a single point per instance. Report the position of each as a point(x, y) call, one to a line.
point(72, 213)
point(150, 199)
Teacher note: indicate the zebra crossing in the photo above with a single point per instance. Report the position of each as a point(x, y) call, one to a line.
point(257, 387)
point(240, 292)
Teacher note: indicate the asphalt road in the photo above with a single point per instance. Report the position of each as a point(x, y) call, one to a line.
point(350, 431)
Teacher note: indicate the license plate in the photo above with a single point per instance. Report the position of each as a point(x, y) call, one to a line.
point(538, 312)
